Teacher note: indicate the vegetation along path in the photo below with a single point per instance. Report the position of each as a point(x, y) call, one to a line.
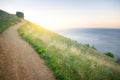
point(18, 60)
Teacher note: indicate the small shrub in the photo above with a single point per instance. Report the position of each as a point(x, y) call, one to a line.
point(90, 46)
point(87, 45)
point(109, 54)
point(20, 14)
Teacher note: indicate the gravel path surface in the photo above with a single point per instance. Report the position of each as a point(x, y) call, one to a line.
point(18, 60)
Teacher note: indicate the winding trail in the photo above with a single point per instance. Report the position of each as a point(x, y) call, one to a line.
point(18, 60)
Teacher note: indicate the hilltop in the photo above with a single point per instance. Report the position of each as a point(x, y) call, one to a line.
point(7, 19)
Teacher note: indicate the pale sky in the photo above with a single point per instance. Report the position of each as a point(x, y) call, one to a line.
point(64, 14)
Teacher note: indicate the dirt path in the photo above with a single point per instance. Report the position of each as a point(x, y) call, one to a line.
point(18, 60)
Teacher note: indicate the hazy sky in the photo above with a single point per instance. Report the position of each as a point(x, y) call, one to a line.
point(62, 14)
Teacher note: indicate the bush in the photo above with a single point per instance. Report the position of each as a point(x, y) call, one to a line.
point(90, 46)
point(87, 45)
point(20, 14)
point(109, 54)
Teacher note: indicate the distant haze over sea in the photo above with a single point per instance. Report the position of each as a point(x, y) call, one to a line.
point(103, 39)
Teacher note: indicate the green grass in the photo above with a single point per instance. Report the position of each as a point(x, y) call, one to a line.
point(7, 20)
point(68, 59)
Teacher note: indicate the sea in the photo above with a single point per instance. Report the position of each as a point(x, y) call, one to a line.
point(103, 39)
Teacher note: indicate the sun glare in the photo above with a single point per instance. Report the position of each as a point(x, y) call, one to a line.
point(57, 16)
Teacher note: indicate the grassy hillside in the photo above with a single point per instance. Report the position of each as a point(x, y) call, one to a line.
point(68, 59)
point(7, 20)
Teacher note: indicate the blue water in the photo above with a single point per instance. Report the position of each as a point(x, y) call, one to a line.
point(103, 39)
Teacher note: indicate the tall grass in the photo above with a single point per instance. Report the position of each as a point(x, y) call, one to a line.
point(68, 59)
point(7, 20)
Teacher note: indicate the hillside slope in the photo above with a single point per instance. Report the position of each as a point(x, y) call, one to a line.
point(7, 19)
point(68, 59)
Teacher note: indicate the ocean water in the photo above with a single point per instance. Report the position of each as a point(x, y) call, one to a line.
point(104, 40)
